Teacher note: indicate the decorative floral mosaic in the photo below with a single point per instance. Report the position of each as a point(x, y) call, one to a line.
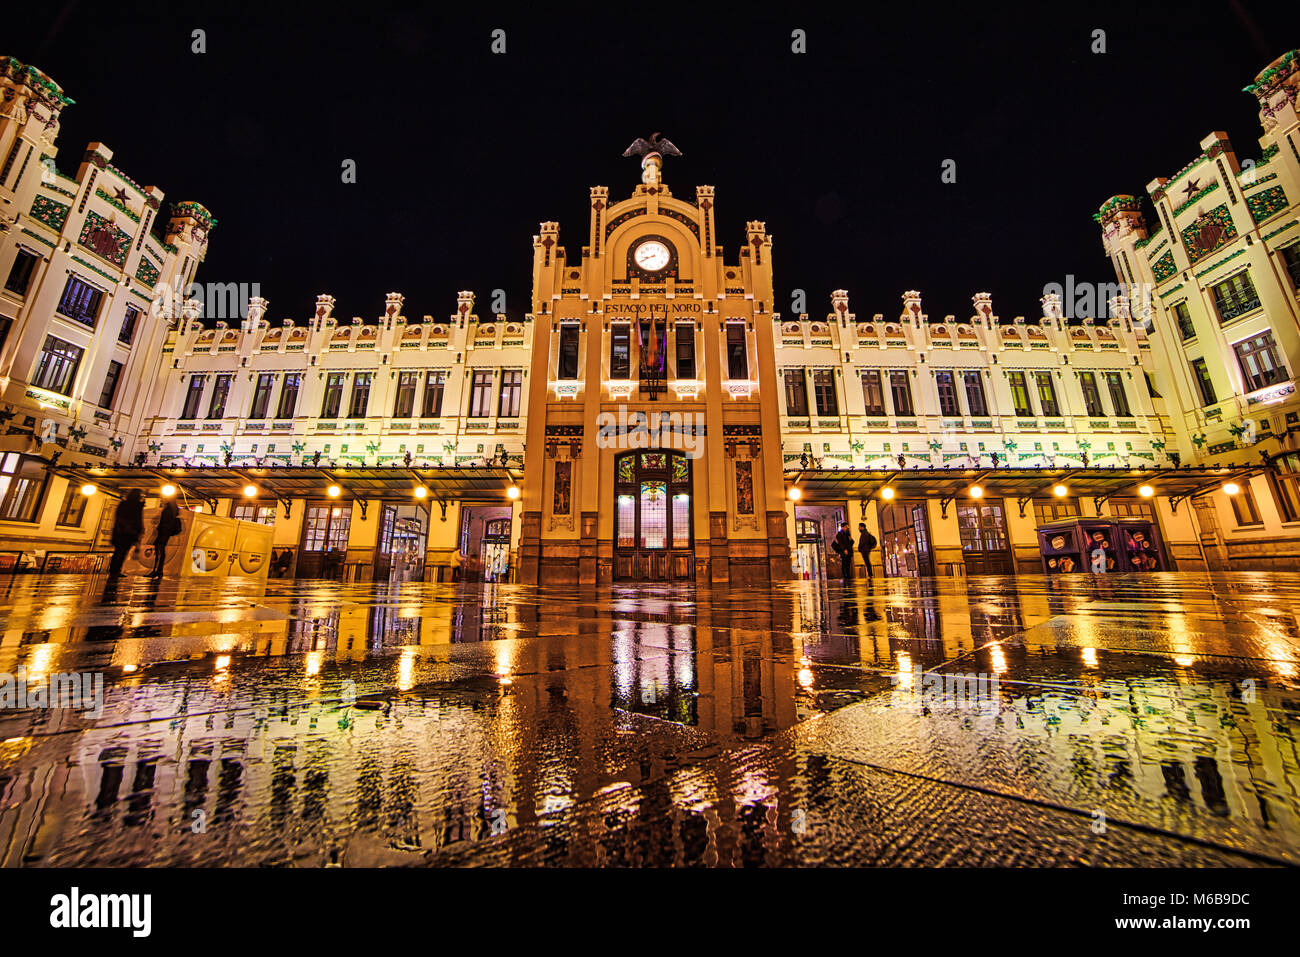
point(1267, 203)
point(147, 272)
point(104, 238)
point(49, 212)
point(1164, 267)
point(1211, 231)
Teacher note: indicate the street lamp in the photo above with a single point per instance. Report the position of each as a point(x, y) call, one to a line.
point(334, 491)
point(168, 490)
point(795, 494)
point(1060, 491)
point(887, 494)
point(88, 490)
point(421, 492)
point(976, 492)
point(512, 492)
point(1146, 491)
point(250, 491)
point(1231, 488)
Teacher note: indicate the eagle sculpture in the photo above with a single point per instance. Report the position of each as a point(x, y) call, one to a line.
point(641, 147)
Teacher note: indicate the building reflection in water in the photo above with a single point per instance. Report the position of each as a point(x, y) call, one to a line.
point(613, 729)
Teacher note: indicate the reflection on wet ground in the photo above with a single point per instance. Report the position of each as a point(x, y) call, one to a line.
point(1030, 721)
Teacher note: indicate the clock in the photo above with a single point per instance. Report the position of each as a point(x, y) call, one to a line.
point(652, 255)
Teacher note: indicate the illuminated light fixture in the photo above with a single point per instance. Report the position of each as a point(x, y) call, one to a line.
point(421, 492)
point(250, 491)
point(88, 490)
point(512, 492)
point(976, 492)
point(129, 668)
point(1146, 491)
point(1060, 491)
point(795, 494)
point(887, 494)
point(168, 491)
point(334, 491)
point(1231, 488)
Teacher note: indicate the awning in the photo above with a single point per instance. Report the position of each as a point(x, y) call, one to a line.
point(388, 483)
point(1022, 484)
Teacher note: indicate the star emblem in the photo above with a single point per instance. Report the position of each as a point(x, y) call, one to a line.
point(120, 194)
point(1191, 187)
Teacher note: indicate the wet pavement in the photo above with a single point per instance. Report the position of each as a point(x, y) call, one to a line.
point(1145, 720)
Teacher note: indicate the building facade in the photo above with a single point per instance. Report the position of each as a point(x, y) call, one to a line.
point(654, 416)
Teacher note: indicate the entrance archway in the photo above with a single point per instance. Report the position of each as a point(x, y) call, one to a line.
point(653, 538)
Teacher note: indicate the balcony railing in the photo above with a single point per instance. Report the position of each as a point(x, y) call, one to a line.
point(1232, 307)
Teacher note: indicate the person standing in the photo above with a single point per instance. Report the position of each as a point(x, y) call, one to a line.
point(843, 545)
point(169, 526)
point(866, 542)
point(128, 527)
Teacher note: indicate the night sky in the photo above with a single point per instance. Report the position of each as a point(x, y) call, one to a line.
point(461, 153)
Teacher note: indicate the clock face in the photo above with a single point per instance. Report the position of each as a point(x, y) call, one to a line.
point(652, 255)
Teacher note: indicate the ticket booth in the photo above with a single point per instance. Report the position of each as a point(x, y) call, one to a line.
point(1130, 545)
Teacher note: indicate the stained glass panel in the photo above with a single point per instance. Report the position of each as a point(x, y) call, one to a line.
point(681, 469)
point(654, 460)
point(627, 468)
point(627, 521)
point(681, 520)
point(654, 514)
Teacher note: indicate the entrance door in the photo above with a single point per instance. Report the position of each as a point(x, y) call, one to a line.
point(984, 543)
point(652, 500)
point(809, 544)
point(495, 550)
point(399, 555)
point(905, 540)
point(324, 540)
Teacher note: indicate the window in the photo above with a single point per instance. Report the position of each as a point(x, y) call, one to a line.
point(901, 391)
point(1091, 397)
point(326, 528)
point(480, 395)
point(220, 392)
point(1046, 393)
point(1243, 506)
point(1132, 508)
point(1183, 319)
point(289, 395)
point(1020, 393)
point(360, 395)
point(1259, 360)
point(1235, 296)
point(192, 396)
point(873, 396)
point(129, 322)
point(796, 392)
point(56, 369)
point(975, 400)
point(20, 276)
point(262, 514)
point(1201, 372)
point(620, 351)
point(1053, 509)
point(111, 379)
point(73, 508)
point(433, 385)
point(568, 351)
point(737, 351)
point(80, 301)
point(262, 395)
point(1291, 259)
point(512, 386)
point(22, 483)
point(685, 335)
point(333, 394)
point(1118, 397)
point(824, 390)
point(1286, 486)
point(404, 405)
point(948, 404)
